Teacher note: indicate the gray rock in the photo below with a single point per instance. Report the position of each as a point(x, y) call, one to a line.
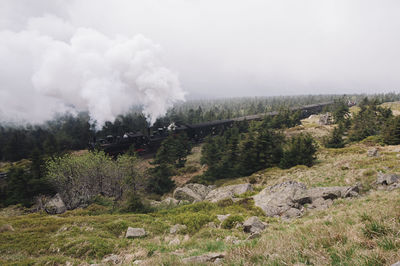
point(177, 228)
point(253, 225)
point(55, 205)
point(325, 119)
point(222, 217)
point(6, 228)
point(174, 242)
point(278, 199)
point(396, 264)
point(374, 152)
point(210, 257)
point(112, 259)
point(287, 199)
point(138, 262)
point(228, 192)
point(135, 232)
point(387, 179)
point(192, 192)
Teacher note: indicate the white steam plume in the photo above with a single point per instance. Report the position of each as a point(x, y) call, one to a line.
point(50, 66)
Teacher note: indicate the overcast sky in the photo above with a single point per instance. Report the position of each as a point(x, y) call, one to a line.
point(224, 47)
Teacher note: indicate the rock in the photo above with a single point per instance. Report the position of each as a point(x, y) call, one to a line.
point(222, 217)
point(374, 152)
point(211, 225)
point(112, 259)
point(253, 225)
point(278, 199)
point(138, 262)
point(210, 257)
point(287, 199)
point(135, 232)
point(170, 201)
point(321, 204)
point(192, 192)
point(55, 205)
point(6, 228)
point(174, 242)
point(396, 264)
point(228, 192)
point(177, 228)
point(387, 179)
point(186, 238)
point(325, 119)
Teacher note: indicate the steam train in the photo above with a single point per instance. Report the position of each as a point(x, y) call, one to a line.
point(148, 142)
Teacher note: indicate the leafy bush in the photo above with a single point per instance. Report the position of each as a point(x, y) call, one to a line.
point(91, 174)
point(231, 221)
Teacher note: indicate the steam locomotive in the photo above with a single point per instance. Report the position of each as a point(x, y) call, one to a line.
point(148, 142)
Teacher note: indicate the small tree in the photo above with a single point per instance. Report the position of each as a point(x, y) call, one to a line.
point(300, 150)
point(391, 131)
point(335, 140)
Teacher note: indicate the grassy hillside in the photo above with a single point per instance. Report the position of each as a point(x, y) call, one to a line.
point(357, 231)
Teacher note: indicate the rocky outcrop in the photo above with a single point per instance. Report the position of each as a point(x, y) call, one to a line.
point(374, 152)
point(210, 257)
point(198, 192)
point(325, 119)
point(288, 199)
point(135, 232)
point(228, 192)
point(253, 225)
point(388, 181)
point(55, 205)
point(192, 192)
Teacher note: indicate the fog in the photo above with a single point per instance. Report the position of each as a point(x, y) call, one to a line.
point(103, 56)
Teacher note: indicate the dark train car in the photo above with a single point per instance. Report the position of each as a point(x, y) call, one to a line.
point(150, 142)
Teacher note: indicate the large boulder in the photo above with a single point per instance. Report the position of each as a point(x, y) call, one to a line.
point(278, 200)
point(228, 192)
point(55, 205)
point(288, 199)
point(192, 192)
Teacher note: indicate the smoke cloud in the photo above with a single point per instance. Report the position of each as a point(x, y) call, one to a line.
point(51, 66)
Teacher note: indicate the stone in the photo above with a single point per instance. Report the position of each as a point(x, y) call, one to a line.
point(192, 192)
point(287, 200)
point(228, 192)
point(177, 228)
point(374, 152)
point(253, 225)
point(112, 259)
point(396, 264)
point(55, 205)
point(277, 200)
point(325, 119)
point(222, 217)
point(186, 238)
point(170, 201)
point(174, 242)
point(138, 262)
point(6, 228)
point(135, 232)
point(387, 179)
point(210, 257)
point(211, 225)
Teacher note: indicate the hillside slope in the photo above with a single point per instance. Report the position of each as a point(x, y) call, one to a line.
point(363, 230)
